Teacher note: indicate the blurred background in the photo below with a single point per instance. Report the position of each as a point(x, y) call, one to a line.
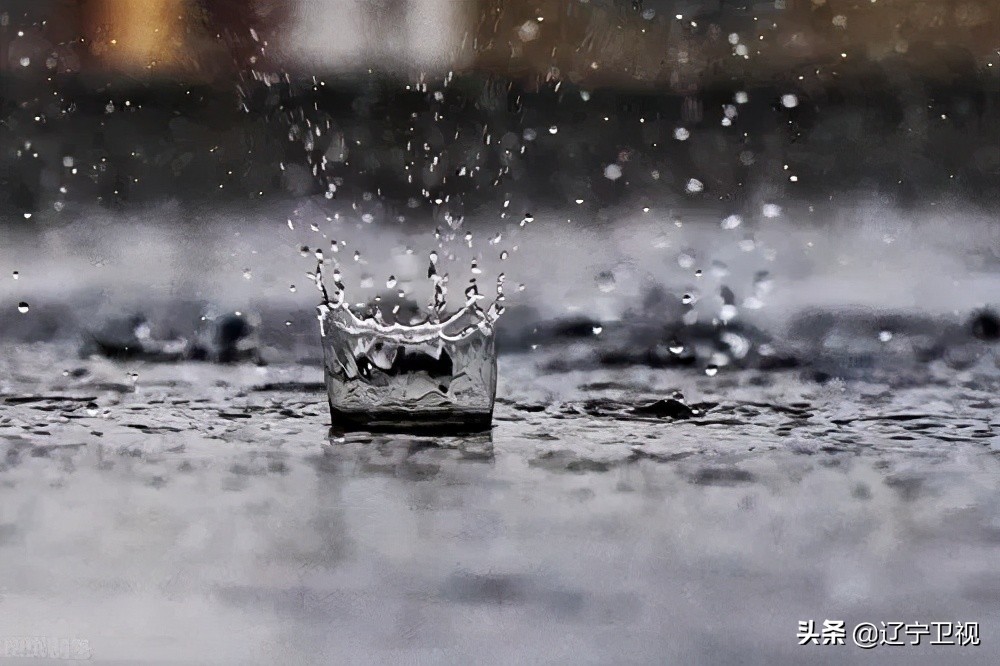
point(744, 159)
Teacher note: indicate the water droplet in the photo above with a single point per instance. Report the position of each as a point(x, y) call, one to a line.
point(605, 281)
point(391, 282)
point(681, 134)
point(15, 275)
point(789, 101)
point(25, 61)
point(553, 129)
point(771, 210)
point(92, 409)
point(732, 222)
point(247, 274)
point(712, 370)
point(597, 330)
point(612, 172)
point(291, 288)
point(885, 336)
point(694, 186)
point(22, 307)
point(676, 348)
point(687, 299)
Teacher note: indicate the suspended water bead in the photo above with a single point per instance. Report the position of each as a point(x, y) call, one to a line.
point(304, 250)
point(528, 219)
point(291, 288)
point(612, 172)
point(681, 134)
point(732, 222)
point(597, 329)
point(319, 254)
point(553, 129)
point(712, 370)
point(771, 210)
point(885, 336)
point(357, 256)
point(92, 409)
point(687, 299)
point(741, 97)
point(22, 307)
point(15, 275)
point(475, 267)
point(247, 274)
point(698, 273)
point(468, 238)
point(605, 281)
point(789, 101)
point(504, 255)
point(694, 186)
point(391, 282)
point(676, 348)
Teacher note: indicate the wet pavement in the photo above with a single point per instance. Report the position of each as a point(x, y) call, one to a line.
point(196, 513)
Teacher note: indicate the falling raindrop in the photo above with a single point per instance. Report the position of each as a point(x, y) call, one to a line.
point(732, 222)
